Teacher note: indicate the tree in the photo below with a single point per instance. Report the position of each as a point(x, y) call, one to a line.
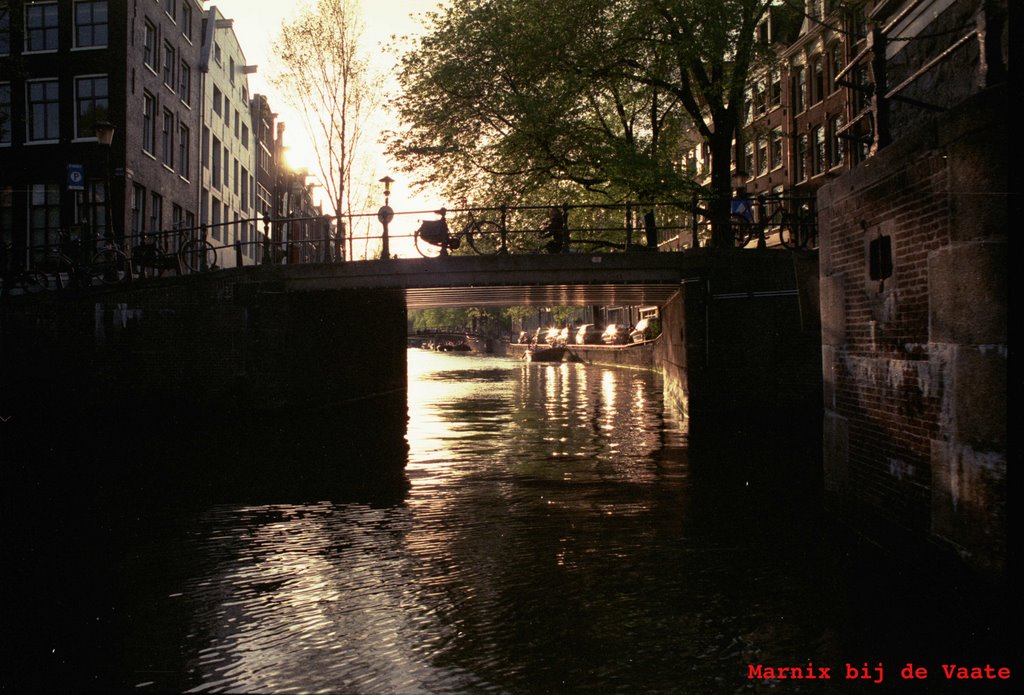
point(511, 97)
point(495, 107)
point(327, 78)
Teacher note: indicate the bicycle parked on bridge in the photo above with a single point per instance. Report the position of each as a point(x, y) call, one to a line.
point(434, 237)
point(191, 252)
point(754, 219)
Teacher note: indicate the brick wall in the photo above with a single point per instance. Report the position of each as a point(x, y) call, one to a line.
point(914, 363)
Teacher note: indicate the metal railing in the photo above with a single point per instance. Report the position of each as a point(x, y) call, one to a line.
point(87, 259)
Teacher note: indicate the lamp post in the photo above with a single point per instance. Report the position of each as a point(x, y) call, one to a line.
point(105, 136)
point(385, 215)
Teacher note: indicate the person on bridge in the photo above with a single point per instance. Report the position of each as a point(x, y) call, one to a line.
point(557, 229)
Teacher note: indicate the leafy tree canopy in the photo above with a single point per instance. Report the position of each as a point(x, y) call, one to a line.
point(515, 101)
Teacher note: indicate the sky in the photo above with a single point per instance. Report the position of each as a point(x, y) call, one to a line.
point(257, 24)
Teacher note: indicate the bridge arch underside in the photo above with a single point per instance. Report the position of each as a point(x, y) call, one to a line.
point(541, 295)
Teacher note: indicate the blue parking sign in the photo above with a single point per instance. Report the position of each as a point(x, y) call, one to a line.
point(76, 177)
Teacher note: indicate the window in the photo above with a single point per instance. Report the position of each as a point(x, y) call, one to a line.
point(5, 29)
point(227, 110)
point(5, 113)
point(156, 213)
point(149, 46)
point(762, 156)
point(819, 156)
point(204, 206)
point(171, 8)
point(170, 62)
point(90, 24)
point(215, 170)
point(238, 120)
point(215, 216)
point(748, 159)
point(227, 158)
point(91, 206)
point(43, 110)
point(835, 53)
point(800, 161)
point(43, 217)
point(91, 105)
point(148, 122)
point(245, 136)
point(775, 91)
point(216, 100)
point(245, 189)
point(216, 53)
point(761, 98)
point(748, 106)
point(775, 148)
point(231, 70)
point(138, 209)
point(177, 216)
point(234, 176)
point(186, 20)
point(835, 150)
point(41, 26)
point(799, 88)
point(184, 143)
point(817, 80)
point(185, 82)
point(167, 139)
point(204, 148)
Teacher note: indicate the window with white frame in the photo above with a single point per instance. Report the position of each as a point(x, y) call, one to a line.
point(90, 23)
point(184, 143)
point(185, 83)
point(91, 104)
point(43, 110)
point(43, 218)
point(170, 63)
point(167, 139)
point(149, 54)
point(41, 27)
point(148, 122)
point(186, 20)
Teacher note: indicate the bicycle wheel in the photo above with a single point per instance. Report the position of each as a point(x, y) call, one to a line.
point(110, 266)
point(742, 230)
point(198, 255)
point(485, 238)
point(425, 248)
point(790, 235)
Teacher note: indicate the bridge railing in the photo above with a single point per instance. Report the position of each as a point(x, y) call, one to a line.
point(567, 228)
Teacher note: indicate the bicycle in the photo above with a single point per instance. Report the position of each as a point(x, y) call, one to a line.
point(795, 224)
point(193, 253)
point(110, 265)
point(19, 280)
point(434, 238)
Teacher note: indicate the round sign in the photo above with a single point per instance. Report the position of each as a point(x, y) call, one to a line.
point(76, 176)
point(385, 214)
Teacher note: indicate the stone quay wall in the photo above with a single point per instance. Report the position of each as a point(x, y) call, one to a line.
point(913, 277)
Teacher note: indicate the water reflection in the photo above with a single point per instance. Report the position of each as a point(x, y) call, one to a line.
point(555, 535)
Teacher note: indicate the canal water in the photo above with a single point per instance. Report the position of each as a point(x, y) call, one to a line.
point(554, 532)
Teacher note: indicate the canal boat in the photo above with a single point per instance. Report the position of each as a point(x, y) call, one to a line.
point(545, 354)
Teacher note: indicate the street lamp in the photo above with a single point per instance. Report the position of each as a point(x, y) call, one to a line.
point(384, 216)
point(105, 136)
